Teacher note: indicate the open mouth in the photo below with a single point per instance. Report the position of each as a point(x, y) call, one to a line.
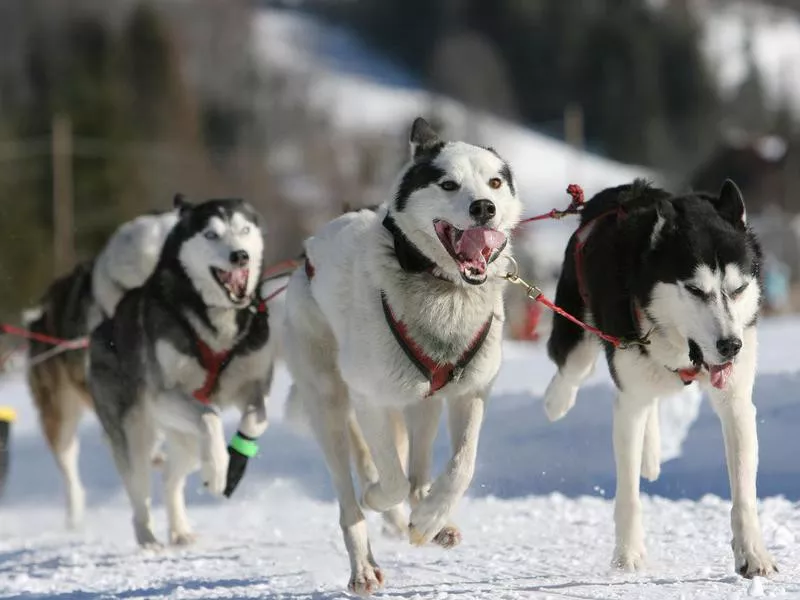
point(472, 249)
point(234, 282)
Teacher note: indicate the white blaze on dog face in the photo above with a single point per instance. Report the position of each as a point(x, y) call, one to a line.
point(712, 308)
point(223, 259)
point(457, 203)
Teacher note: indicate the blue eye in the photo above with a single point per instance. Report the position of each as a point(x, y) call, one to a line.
point(211, 235)
point(246, 230)
point(738, 291)
point(696, 291)
point(449, 185)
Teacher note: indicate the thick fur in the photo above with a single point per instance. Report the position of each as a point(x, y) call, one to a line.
point(70, 309)
point(360, 392)
point(687, 270)
point(145, 363)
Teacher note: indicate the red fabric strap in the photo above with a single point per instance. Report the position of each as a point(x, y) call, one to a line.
point(213, 363)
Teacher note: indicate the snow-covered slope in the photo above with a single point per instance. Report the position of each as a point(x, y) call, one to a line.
point(774, 37)
point(537, 523)
point(374, 96)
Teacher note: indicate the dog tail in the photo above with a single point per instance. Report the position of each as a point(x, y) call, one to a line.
point(651, 450)
point(295, 413)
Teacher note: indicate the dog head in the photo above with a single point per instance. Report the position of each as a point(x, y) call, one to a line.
point(704, 266)
point(220, 247)
point(457, 203)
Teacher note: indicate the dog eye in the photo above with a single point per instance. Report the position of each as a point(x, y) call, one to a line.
point(495, 183)
point(738, 291)
point(449, 185)
point(695, 291)
point(211, 235)
point(245, 230)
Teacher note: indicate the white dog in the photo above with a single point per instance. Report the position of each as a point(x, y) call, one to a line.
point(396, 311)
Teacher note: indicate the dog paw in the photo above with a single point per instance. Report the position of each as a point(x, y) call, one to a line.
point(215, 474)
point(365, 580)
point(559, 398)
point(428, 519)
point(448, 537)
point(182, 538)
point(753, 560)
point(629, 559)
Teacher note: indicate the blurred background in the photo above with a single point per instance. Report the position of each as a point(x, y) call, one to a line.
point(109, 107)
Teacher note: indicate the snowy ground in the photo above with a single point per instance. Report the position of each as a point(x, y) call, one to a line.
point(537, 523)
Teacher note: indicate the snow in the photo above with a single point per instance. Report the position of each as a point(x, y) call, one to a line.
point(774, 35)
point(537, 522)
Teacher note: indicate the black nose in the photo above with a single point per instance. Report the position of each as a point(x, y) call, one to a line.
point(482, 210)
point(729, 347)
point(240, 258)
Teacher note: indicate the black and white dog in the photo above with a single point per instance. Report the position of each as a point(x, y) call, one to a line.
point(396, 311)
point(193, 340)
point(684, 269)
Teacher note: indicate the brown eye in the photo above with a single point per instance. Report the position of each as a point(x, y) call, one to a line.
point(495, 183)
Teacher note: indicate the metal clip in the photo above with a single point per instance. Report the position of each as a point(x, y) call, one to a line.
point(532, 291)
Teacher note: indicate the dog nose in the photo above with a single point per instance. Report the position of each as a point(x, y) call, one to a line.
point(482, 210)
point(729, 347)
point(240, 258)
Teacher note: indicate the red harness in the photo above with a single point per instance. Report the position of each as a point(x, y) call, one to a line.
point(439, 375)
point(214, 363)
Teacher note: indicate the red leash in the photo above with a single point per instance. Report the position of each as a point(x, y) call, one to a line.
point(45, 339)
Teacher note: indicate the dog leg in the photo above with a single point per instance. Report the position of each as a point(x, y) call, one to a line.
point(214, 456)
point(423, 423)
point(66, 447)
point(431, 515)
point(630, 420)
point(329, 422)
point(562, 391)
point(736, 411)
point(395, 522)
point(182, 459)
point(651, 453)
point(134, 463)
point(392, 486)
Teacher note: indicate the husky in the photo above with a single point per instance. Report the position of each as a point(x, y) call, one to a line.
point(681, 274)
point(193, 340)
point(397, 311)
point(69, 310)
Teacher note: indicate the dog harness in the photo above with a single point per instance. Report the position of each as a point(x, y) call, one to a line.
point(214, 363)
point(437, 374)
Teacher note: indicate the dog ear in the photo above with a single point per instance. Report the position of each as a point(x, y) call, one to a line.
point(423, 138)
point(664, 223)
point(181, 203)
point(730, 204)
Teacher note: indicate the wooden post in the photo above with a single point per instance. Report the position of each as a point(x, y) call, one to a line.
point(573, 126)
point(63, 209)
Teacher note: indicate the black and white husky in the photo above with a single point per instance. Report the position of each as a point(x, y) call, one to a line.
point(70, 308)
point(193, 340)
point(397, 311)
point(684, 269)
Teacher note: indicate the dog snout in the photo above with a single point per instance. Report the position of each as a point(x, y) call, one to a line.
point(729, 347)
point(482, 211)
point(240, 258)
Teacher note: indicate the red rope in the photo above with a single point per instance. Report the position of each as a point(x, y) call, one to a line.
point(45, 339)
point(611, 339)
point(279, 268)
point(275, 293)
point(578, 200)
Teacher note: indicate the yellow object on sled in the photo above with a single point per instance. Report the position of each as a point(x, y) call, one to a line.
point(7, 414)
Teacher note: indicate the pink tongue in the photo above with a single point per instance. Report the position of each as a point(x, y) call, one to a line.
point(238, 279)
point(720, 374)
point(476, 245)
